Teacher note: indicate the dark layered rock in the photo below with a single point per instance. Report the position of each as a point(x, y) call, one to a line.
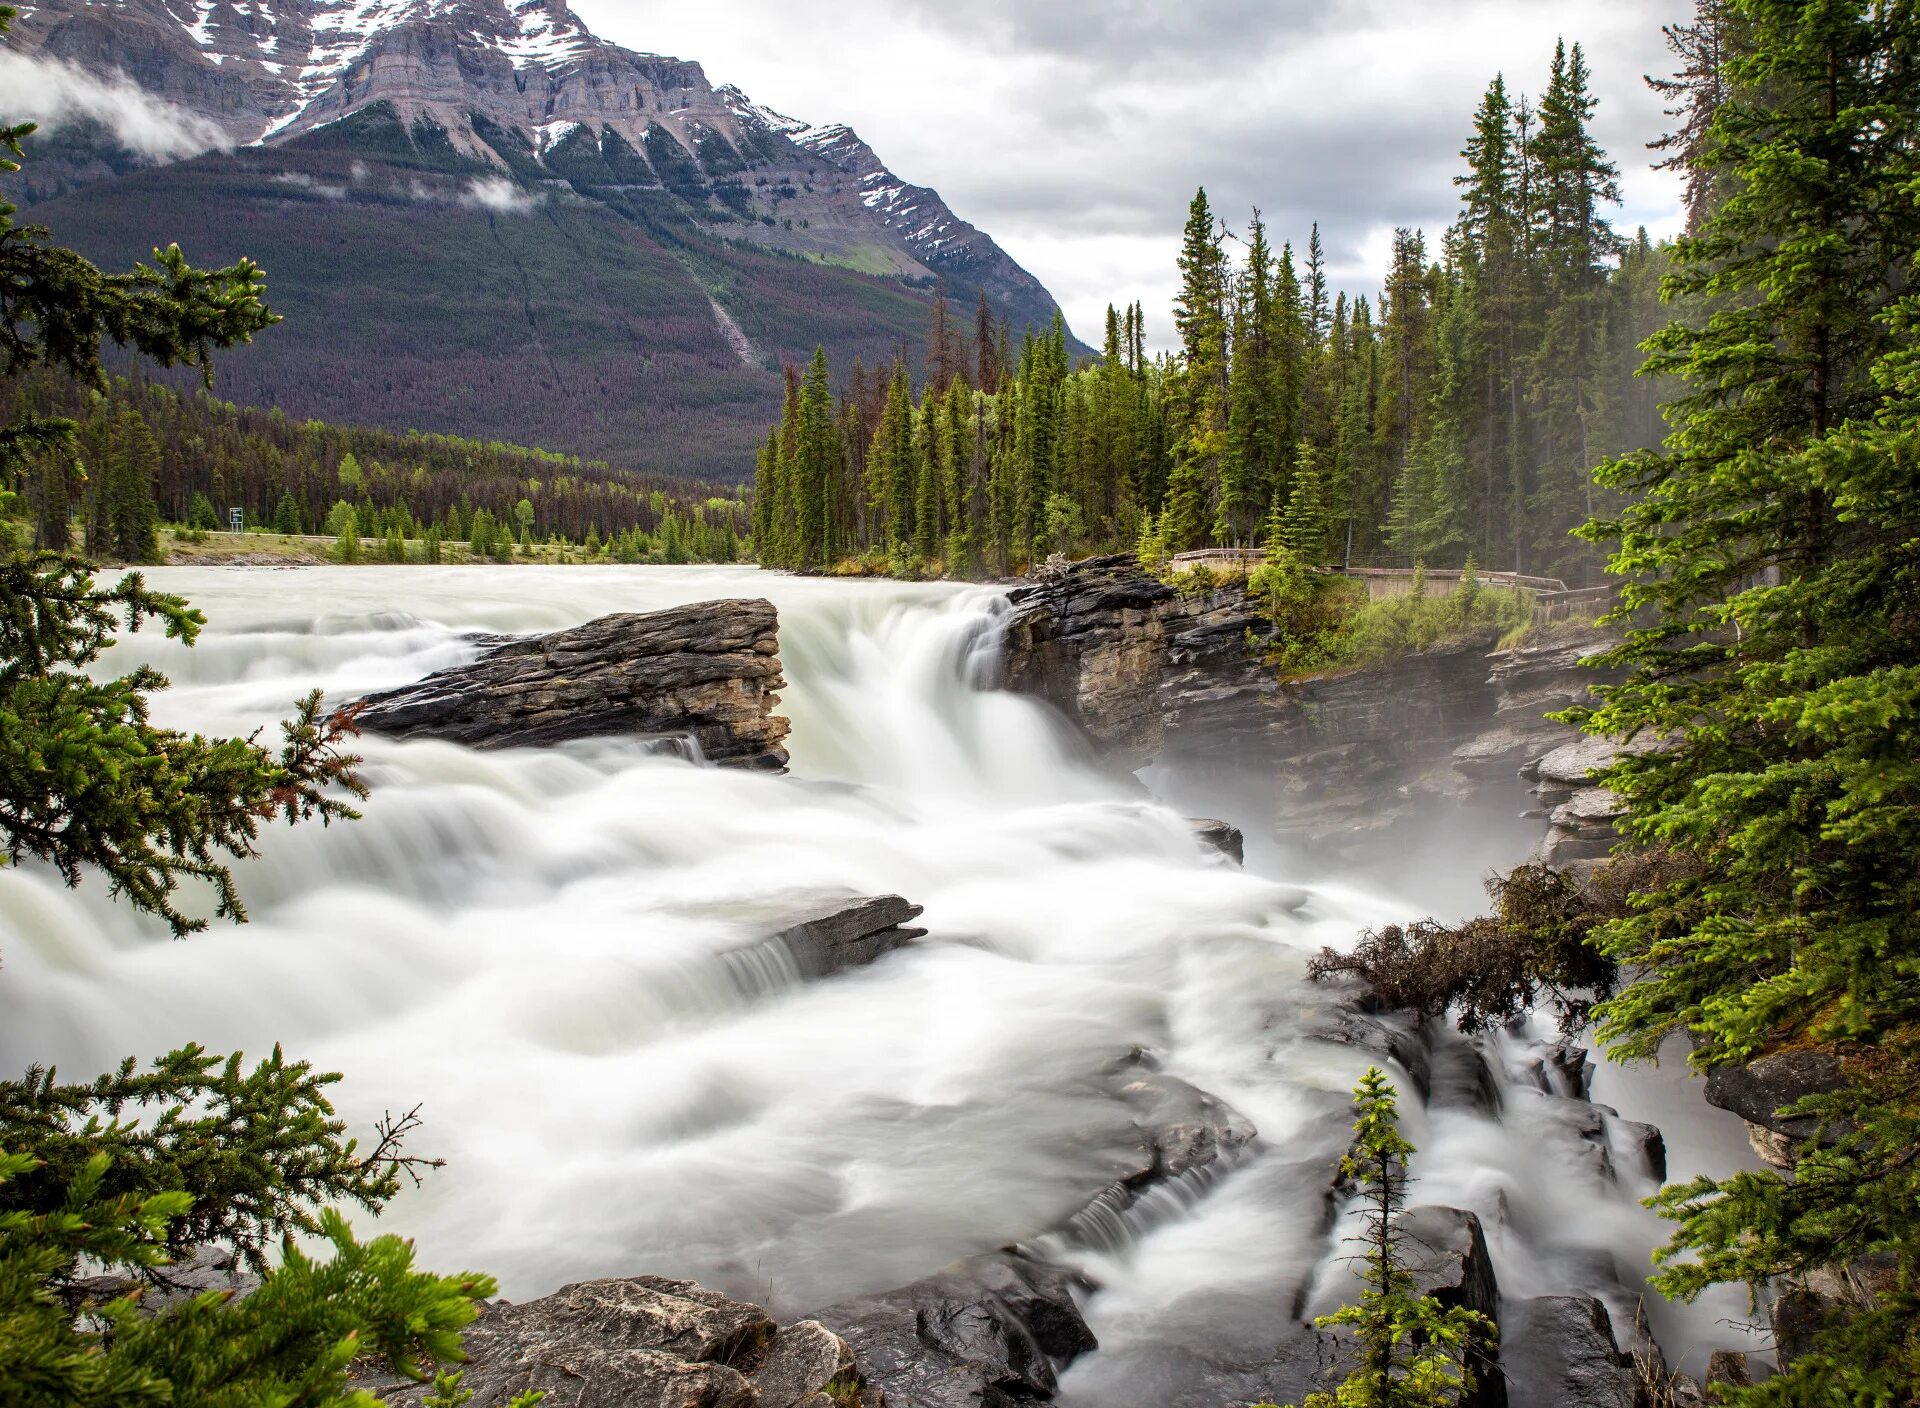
point(1092, 640)
point(995, 1329)
point(822, 938)
point(849, 935)
point(1221, 836)
point(1148, 674)
point(1760, 1090)
point(1530, 682)
point(706, 673)
point(1560, 1352)
point(647, 1342)
point(1446, 1251)
point(985, 1333)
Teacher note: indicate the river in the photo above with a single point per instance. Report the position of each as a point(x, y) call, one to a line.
point(527, 944)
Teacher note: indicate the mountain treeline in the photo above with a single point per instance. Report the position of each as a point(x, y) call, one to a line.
point(1456, 415)
point(153, 455)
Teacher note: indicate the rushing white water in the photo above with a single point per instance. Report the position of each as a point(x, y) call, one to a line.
point(528, 943)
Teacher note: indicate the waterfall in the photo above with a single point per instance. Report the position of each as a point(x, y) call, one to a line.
point(542, 948)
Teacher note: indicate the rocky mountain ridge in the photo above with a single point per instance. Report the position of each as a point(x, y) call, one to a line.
point(480, 219)
point(501, 79)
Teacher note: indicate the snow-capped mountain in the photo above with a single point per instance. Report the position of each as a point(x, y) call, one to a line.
point(504, 79)
point(477, 217)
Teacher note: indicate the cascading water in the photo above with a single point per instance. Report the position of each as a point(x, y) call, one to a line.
point(535, 945)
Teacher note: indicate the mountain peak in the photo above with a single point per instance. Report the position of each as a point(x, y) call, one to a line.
point(523, 90)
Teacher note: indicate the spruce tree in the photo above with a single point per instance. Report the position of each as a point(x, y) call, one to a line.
point(1249, 465)
point(1407, 1350)
point(132, 519)
point(1770, 566)
point(817, 465)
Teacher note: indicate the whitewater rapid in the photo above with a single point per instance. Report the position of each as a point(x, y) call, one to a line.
point(527, 945)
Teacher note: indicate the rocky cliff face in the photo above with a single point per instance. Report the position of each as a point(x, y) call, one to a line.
point(708, 673)
point(1151, 675)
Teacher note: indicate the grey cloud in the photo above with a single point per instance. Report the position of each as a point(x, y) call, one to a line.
point(1123, 36)
point(54, 93)
point(1075, 131)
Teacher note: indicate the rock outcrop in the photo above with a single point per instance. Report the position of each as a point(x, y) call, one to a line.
point(1560, 1352)
point(823, 938)
point(1092, 640)
point(985, 1333)
point(649, 1342)
point(1151, 674)
point(707, 674)
point(1221, 836)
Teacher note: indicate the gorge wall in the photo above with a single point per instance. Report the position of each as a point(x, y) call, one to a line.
point(1155, 675)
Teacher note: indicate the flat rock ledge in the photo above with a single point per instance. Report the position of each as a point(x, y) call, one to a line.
point(707, 673)
point(650, 1342)
point(821, 939)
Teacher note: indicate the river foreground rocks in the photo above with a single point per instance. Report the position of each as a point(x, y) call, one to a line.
point(650, 1342)
point(707, 674)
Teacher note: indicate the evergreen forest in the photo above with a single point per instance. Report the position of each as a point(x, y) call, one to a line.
point(158, 455)
point(1455, 415)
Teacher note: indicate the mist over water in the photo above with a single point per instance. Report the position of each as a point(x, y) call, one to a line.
point(531, 945)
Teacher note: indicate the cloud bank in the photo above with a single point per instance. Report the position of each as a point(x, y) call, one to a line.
point(54, 94)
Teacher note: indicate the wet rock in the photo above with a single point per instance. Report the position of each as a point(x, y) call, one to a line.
point(1446, 1251)
point(1647, 1144)
point(1184, 1128)
point(1460, 1078)
point(1568, 1070)
point(1730, 1367)
point(1091, 639)
point(1559, 1352)
point(984, 1333)
point(849, 934)
point(806, 1361)
point(1759, 1091)
point(644, 1342)
point(706, 673)
point(1222, 836)
point(1390, 1035)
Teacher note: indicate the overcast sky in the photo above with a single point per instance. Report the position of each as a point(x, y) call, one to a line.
point(1075, 131)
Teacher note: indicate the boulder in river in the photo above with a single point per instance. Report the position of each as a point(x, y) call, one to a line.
point(985, 1333)
point(1222, 836)
point(707, 673)
point(820, 939)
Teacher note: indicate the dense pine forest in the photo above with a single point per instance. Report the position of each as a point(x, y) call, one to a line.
point(1456, 415)
point(156, 455)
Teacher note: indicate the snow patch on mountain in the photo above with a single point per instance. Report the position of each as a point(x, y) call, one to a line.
point(746, 110)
